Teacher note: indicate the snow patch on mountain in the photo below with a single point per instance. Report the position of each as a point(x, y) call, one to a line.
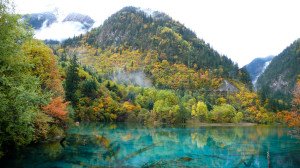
point(257, 67)
point(261, 72)
point(85, 20)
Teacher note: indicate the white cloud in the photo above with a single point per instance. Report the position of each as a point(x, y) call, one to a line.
point(242, 30)
point(60, 31)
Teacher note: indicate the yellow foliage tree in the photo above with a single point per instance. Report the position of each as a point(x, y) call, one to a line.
point(44, 65)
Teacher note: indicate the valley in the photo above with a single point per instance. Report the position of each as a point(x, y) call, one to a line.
point(87, 95)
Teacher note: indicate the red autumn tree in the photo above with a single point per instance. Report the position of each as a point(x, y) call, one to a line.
point(57, 108)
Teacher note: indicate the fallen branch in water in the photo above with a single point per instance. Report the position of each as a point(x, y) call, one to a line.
point(139, 151)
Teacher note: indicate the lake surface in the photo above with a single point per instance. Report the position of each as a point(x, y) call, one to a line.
point(124, 145)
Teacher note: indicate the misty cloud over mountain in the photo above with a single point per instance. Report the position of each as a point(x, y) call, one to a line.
point(138, 78)
point(58, 26)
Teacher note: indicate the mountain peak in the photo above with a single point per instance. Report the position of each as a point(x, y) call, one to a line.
point(37, 20)
point(157, 15)
point(136, 29)
point(86, 20)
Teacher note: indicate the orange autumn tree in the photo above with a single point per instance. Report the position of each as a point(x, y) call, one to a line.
point(293, 118)
point(44, 66)
point(57, 108)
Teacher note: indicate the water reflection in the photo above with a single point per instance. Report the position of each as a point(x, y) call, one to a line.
point(113, 145)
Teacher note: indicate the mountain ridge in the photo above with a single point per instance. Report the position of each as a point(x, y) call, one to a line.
point(132, 28)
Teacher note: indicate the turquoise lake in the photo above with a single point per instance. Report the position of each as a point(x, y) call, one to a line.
point(127, 145)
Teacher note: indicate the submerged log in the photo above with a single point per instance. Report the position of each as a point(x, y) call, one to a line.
point(185, 159)
point(139, 151)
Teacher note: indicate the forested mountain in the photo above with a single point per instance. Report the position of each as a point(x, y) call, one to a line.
point(150, 68)
point(136, 67)
point(278, 80)
point(133, 28)
point(256, 67)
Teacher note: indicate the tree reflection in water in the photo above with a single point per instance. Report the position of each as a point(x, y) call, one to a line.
point(135, 145)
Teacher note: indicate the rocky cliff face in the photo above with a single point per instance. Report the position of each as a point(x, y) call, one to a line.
point(228, 87)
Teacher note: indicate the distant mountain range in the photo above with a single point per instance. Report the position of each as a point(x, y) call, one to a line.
point(55, 26)
point(256, 67)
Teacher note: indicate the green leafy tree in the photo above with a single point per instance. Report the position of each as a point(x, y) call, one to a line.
point(223, 113)
point(200, 111)
point(238, 117)
point(20, 92)
point(44, 65)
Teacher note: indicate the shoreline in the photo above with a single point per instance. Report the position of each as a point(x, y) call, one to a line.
point(246, 124)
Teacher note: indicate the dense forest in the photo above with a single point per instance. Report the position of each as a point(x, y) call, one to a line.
point(131, 28)
point(135, 67)
point(32, 105)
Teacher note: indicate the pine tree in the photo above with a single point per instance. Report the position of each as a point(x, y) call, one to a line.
point(72, 81)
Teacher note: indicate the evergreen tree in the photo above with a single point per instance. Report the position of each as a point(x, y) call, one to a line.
point(72, 81)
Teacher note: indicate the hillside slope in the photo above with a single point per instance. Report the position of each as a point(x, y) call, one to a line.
point(279, 79)
point(150, 68)
point(133, 29)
